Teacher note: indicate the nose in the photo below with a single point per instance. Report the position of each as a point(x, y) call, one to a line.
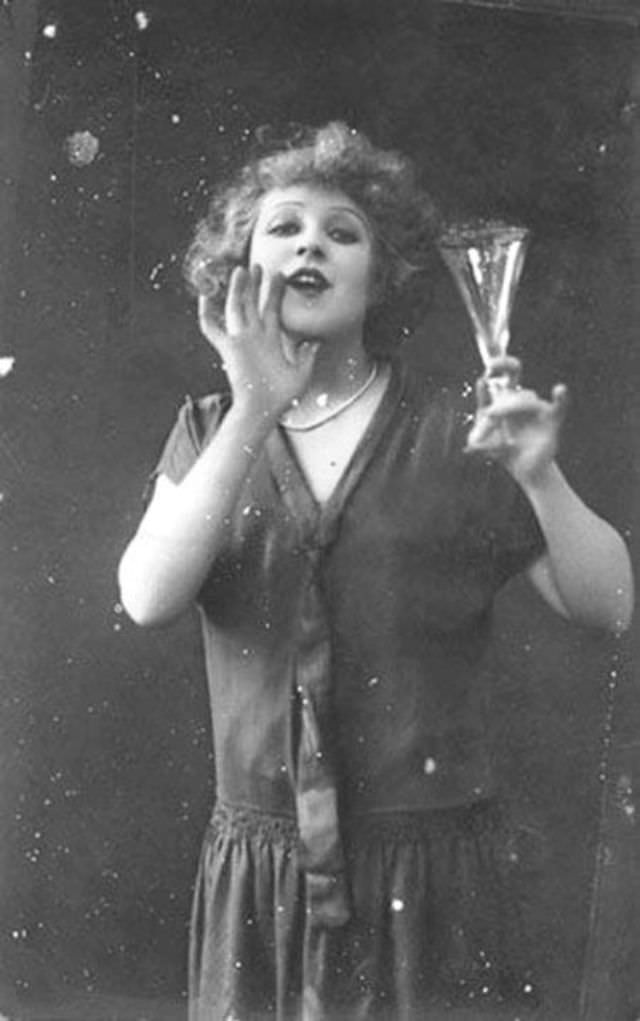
point(309, 243)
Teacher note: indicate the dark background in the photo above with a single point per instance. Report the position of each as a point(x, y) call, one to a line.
point(105, 751)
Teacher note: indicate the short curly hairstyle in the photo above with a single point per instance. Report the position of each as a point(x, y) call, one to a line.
point(382, 183)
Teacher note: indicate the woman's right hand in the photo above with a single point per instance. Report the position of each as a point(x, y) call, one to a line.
point(265, 368)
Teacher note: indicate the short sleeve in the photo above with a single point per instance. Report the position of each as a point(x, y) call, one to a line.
point(506, 519)
point(516, 536)
point(196, 423)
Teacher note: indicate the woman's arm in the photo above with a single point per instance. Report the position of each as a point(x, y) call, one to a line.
point(586, 570)
point(165, 564)
point(586, 564)
point(168, 559)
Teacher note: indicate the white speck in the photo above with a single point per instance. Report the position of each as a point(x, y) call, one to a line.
point(175, 118)
point(82, 148)
point(6, 366)
point(50, 31)
point(528, 988)
point(142, 20)
point(430, 766)
point(397, 904)
point(322, 400)
point(373, 681)
point(246, 511)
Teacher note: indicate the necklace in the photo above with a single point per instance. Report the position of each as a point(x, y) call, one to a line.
point(334, 412)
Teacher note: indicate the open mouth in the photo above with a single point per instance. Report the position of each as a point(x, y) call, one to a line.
point(308, 281)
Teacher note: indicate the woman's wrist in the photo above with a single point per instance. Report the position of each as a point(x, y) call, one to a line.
point(545, 479)
point(253, 422)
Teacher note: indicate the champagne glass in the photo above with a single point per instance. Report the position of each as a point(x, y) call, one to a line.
point(486, 259)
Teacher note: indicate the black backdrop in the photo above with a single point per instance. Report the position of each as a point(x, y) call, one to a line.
point(132, 113)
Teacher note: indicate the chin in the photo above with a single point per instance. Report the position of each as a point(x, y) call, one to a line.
point(305, 326)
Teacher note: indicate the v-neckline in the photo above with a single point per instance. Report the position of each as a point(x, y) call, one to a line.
point(292, 481)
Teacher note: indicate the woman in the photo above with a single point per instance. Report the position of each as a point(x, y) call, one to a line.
point(344, 536)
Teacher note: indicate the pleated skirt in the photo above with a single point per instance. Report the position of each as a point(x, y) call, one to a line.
point(435, 931)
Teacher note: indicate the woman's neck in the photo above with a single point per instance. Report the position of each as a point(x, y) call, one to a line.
point(338, 375)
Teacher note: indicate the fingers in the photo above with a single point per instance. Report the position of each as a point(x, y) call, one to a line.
point(502, 422)
point(510, 403)
point(208, 320)
point(288, 347)
point(505, 365)
point(484, 435)
point(527, 403)
point(306, 356)
point(559, 402)
point(273, 299)
point(252, 299)
point(483, 393)
point(234, 309)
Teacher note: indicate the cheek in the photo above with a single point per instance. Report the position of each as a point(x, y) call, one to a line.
point(377, 283)
point(370, 282)
point(365, 275)
point(259, 249)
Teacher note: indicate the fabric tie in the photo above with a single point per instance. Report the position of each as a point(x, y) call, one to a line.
point(321, 851)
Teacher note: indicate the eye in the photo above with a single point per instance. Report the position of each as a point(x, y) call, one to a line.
point(344, 235)
point(283, 228)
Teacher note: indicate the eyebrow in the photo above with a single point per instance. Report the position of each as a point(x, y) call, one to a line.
point(331, 209)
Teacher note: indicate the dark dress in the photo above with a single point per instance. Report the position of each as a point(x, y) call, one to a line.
point(355, 863)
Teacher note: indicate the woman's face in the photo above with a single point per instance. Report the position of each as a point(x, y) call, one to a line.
point(323, 245)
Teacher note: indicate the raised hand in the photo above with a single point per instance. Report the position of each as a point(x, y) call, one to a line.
point(514, 425)
point(266, 369)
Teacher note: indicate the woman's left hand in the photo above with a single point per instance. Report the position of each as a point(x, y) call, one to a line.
point(515, 425)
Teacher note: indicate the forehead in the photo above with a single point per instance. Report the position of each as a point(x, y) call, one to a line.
point(313, 198)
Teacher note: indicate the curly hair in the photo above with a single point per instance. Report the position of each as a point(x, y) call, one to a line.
point(382, 183)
